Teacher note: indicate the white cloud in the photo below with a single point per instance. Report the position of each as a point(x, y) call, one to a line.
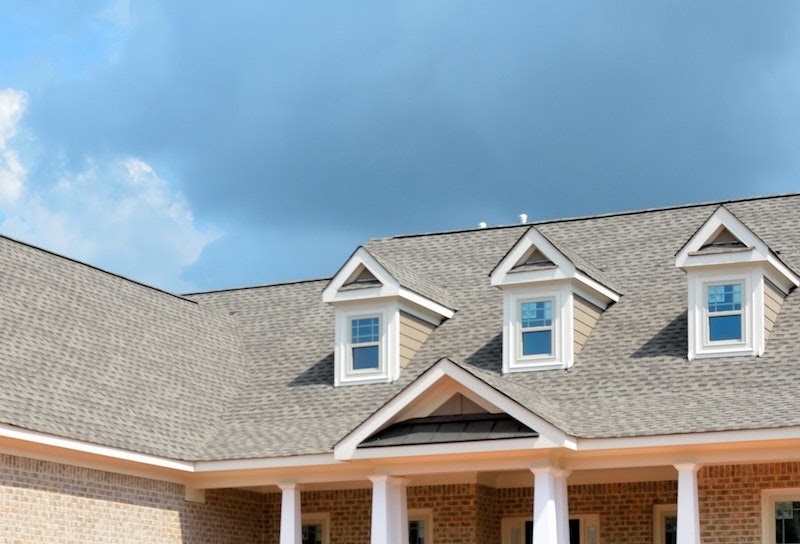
point(12, 173)
point(116, 212)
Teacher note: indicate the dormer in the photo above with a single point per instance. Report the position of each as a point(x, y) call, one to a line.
point(736, 285)
point(551, 302)
point(384, 313)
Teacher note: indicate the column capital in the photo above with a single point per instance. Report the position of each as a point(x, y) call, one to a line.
point(545, 469)
point(390, 480)
point(685, 466)
point(288, 486)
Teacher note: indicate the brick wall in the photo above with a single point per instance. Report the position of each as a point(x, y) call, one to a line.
point(350, 511)
point(625, 509)
point(730, 499)
point(54, 503)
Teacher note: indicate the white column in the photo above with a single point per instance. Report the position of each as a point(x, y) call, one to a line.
point(291, 528)
point(389, 510)
point(562, 506)
point(550, 511)
point(688, 504)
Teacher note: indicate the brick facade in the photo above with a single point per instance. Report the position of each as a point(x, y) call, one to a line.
point(54, 503)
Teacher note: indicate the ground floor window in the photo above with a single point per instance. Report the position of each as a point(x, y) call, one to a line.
point(780, 516)
point(316, 529)
point(420, 527)
point(583, 529)
point(665, 524)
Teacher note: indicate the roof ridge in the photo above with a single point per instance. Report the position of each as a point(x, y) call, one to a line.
point(595, 216)
point(96, 268)
point(250, 287)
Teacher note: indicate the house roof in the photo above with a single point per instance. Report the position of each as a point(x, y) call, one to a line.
point(248, 373)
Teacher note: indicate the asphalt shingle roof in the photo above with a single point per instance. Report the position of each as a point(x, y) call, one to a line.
point(249, 372)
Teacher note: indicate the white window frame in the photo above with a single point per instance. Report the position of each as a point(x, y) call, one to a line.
point(523, 329)
point(323, 519)
point(589, 523)
point(425, 515)
point(562, 329)
point(660, 514)
point(353, 345)
point(768, 499)
point(752, 312)
point(388, 349)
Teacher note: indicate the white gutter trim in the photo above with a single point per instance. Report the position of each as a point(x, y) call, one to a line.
point(265, 462)
point(34, 437)
point(688, 439)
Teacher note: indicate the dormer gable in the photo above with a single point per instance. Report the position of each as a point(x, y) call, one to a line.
point(736, 286)
point(551, 302)
point(444, 410)
point(383, 315)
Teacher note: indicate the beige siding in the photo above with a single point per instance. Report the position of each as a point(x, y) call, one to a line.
point(585, 316)
point(413, 333)
point(458, 404)
point(773, 299)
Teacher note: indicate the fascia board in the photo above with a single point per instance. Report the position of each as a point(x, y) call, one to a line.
point(688, 439)
point(360, 257)
point(424, 302)
point(43, 439)
point(450, 448)
point(346, 447)
point(599, 288)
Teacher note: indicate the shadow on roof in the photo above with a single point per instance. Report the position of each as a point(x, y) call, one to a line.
point(320, 373)
point(671, 341)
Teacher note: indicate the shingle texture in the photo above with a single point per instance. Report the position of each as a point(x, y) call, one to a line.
point(249, 373)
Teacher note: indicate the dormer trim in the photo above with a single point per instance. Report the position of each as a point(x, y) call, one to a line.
point(422, 396)
point(386, 287)
point(753, 250)
point(510, 271)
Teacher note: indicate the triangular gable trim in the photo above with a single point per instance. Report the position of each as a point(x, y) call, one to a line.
point(417, 391)
point(533, 240)
point(756, 250)
point(386, 286)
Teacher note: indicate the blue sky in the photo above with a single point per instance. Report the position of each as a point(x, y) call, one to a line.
point(197, 147)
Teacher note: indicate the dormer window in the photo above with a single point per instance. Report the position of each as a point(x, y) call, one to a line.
point(736, 285)
point(725, 317)
point(550, 306)
point(536, 328)
point(380, 321)
point(365, 336)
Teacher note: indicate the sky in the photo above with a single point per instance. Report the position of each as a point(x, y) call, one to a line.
point(197, 145)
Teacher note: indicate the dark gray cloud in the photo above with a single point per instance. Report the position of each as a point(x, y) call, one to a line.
point(381, 117)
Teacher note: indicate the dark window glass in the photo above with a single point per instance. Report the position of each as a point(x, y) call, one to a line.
point(574, 532)
point(537, 343)
point(312, 534)
point(725, 327)
point(416, 532)
point(670, 529)
point(366, 358)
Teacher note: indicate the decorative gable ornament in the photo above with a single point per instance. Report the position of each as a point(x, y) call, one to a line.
point(550, 303)
point(381, 320)
point(736, 288)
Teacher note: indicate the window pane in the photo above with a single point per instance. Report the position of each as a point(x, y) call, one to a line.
point(537, 314)
point(537, 343)
point(365, 358)
point(725, 327)
point(312, 534)
point(670, 529)
point(787, 522)
point(725, 298)
point(365, 330)
point(416, 532)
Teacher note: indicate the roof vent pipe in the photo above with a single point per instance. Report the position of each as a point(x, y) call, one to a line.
point(523, 218)
point(482, 225)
